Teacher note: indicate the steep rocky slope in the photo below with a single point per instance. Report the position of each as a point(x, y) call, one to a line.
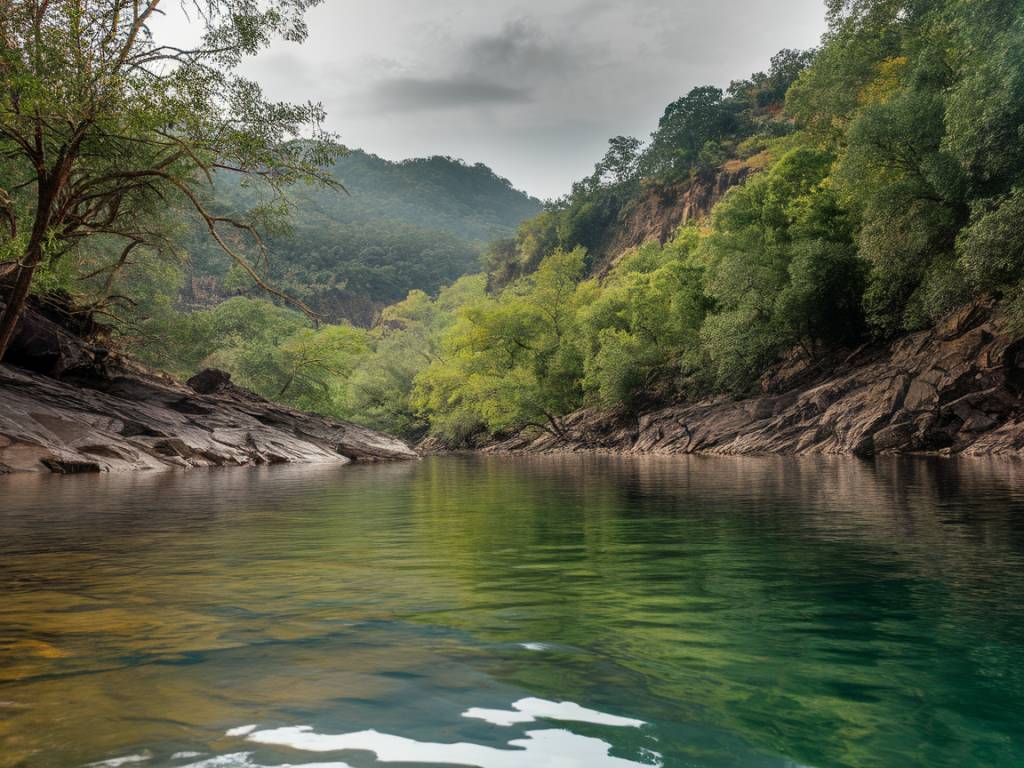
point(956, 389)
point(66, 406)
point(662, 209)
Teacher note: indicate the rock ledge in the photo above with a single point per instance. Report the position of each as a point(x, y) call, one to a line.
point(68, 407)
point(957, 389)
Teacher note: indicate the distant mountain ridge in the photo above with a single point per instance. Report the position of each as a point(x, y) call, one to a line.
point(412, 224)
point(470, 201)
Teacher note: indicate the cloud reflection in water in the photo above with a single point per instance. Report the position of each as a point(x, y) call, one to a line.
point(548, 748)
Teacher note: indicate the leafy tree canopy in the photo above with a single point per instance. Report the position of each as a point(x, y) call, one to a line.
point(103, 125)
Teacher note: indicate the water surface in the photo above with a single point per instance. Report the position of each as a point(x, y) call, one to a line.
point(561, 612)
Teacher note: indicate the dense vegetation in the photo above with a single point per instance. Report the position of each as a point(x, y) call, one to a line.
point(889, 189)
point(416, 224)
point(107, 136)
point(696, 135)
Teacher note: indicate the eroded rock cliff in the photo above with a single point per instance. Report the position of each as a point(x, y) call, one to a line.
point(663, 208)
point(955, 389)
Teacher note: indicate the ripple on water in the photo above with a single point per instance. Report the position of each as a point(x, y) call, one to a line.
point(552, 748)
point(548, 748)
point(767, 613)
point(117, 762)
point(532, 709)
point(244, 760)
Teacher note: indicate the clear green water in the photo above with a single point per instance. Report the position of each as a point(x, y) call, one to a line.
point(750, 612)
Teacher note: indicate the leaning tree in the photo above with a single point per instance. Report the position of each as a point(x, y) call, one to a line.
point(106, 127)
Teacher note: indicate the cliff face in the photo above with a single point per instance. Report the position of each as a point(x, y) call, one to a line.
point(665, 208)
point(66, 407)
point(956, 389)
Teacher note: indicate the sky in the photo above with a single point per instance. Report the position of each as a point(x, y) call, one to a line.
point(532, 88)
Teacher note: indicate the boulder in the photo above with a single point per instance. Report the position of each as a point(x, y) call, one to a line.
point(210, 380)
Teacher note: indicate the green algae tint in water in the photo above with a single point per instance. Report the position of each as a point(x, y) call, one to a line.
point(583, 612)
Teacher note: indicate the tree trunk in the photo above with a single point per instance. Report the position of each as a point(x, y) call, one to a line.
point(18, 298)
point(49, 187)
point(287, 385)
point(556, 428)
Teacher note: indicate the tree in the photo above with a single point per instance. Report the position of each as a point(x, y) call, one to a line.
point(315, 366)
point(769, 89)
point(103, 126)
point(509, 361)
point(640, 333)
point(908, 194)
point(267, 348)
point(984, 111)
point(406, 341)
point(782, 269)
point(991, 250)
point(621, 162)
point(688, 124)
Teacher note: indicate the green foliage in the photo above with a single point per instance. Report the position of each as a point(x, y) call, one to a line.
point(991, 249)
point(984, 111)
point(908, 194)
point(407, 339)
point(509, 361)
point(822, 299)
point(689, 125)
point(697, 134)
point(640, 331)
point(622, 160)
point(889, 189)
point(105, 130)
point(766, 90)
point(267, 348)
point(924, 103)
point(780, 263)
point(440, 194)
point(417, 224)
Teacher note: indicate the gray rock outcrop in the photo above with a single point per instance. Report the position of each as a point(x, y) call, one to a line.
point(955, 389)
point(70, 407)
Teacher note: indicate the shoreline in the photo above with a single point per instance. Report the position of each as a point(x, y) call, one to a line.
point(132, 419)
point(954, 390)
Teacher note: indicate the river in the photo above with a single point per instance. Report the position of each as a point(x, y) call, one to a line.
point(535, 612)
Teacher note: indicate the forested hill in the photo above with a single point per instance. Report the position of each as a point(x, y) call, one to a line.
point(469, 201)
point(395, 226)
point(877, 185)
point(828, 207)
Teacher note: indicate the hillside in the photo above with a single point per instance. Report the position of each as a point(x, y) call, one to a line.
point(394, 226)
point(848, 200)
point(957, 389)
point(437, 193)
point(845, 200)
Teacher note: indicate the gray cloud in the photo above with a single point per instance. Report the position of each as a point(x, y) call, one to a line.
point(415, 94)
point(520, 49)
point(533, 88)
point(487, 70)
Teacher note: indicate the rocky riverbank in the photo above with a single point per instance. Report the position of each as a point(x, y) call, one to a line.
point(67, 407)
point(957, 389)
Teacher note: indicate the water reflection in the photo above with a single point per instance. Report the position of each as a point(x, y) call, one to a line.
point(753, 612)
point(548, 748)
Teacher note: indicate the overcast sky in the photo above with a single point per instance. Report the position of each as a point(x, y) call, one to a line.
point(533, 88)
